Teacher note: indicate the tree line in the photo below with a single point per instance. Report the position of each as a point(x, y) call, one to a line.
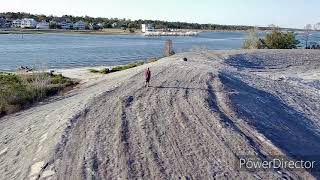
point(124, 23)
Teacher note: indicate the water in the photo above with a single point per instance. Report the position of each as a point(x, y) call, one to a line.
point(81, 50)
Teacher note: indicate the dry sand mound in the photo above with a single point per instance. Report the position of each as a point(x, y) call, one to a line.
point(194, 122)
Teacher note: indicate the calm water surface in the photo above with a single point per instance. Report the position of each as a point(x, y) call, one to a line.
point(80, 50)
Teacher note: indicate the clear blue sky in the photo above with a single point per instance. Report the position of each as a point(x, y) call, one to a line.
point(284, 13)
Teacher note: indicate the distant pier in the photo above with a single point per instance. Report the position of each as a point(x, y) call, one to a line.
point(155, 33)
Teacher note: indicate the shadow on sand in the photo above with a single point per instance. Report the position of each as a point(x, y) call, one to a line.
point(181, 88)
point(288, 129)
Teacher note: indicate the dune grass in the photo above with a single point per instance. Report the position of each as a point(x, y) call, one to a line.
point(123, 67)
point(18, 91)
point(131, 65)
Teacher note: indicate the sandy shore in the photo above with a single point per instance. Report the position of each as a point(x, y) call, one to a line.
point(81, 74)
point(194, 121)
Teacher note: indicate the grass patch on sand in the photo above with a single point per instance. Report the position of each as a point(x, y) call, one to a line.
point(128, 66)
point(18, 91)
point(121, 68)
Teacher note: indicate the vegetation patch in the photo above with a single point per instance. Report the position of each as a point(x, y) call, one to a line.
point(93, 70)
point(18, 91)
point(121, 68)
point(274, 40)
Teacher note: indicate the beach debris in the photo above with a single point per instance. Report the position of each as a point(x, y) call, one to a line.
point(51, 72)
point(184, 59)
point(24, 68)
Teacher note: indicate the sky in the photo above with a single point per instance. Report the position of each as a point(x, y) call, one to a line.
point(283, 13)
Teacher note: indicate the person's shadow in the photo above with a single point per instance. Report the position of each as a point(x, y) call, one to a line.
point(179, 88)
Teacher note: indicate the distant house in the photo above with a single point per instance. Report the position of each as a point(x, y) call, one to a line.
point(147, 28)
point(16, 23)
point(3, 22)
point(79, 25)
point(94, 26)
point(43, 25)
point(8, 24)
point(28, 23)
point(114, 25)
point(65, 25)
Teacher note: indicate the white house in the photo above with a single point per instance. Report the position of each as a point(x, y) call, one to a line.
point(114, 25)
point(79, 25)
point(147, 28)
point(28, 23)
point(16, 23)
point(43, 25)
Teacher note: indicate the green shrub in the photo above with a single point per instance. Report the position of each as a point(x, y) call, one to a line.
point(131, 30)
point(93, 70)
point(131, 65)
point(118, 68)
point(279, 40)
point(274, 40)
point(105, 71)
point(19, 90)
point(13, 91)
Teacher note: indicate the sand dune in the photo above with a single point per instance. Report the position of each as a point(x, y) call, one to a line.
point(194, 122)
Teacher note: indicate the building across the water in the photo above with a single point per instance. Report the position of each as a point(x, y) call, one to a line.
point(3, 22)
point(16, 23)
point(79, 25)
point(65, 25)
point(180, 33)
point(43, 25)
point(114, 25)
point(147, 28)
point(28, 23)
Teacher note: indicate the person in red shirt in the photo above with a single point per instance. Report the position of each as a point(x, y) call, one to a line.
point(147, 75)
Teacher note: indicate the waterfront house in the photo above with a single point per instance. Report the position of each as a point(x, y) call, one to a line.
point(114, 25)
point(8, 24)
point(16, 23)
point(28, 23)
point(65, 25)
point(43, 25)
point(147, 28)
point(79, 25)
point(94, 26)
point(2, 22)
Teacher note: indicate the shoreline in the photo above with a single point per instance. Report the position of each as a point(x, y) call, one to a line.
point(98, 32)
point(101, 32)
point(83, 74)
point(63, 31)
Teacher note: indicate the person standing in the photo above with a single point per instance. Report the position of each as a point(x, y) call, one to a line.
point(147, 75)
